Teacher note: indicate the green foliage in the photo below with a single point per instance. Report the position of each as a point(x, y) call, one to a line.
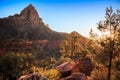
point(48, 62)
point(117, 75)
point(104, 52)
point(84, 52)
point(109, 40)
point(13, 65)
point(51, 74)
point(71, 45)
point(117, 69)
point(99, 74)
point(117, 64)
point(92, 35)
point(108, 43)
point(44, 63)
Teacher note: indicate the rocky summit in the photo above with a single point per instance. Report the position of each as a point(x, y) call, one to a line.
point(27, 26)
point(28, 17)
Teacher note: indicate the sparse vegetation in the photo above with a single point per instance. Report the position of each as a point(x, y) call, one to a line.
point(51, 74)
point(99, 74)
point(13, 65)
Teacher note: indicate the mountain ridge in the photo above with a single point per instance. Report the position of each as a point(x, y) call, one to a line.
point(27, 26)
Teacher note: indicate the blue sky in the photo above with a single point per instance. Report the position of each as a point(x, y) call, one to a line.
point(64, 15)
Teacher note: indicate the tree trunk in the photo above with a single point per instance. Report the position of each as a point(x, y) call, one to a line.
point(110, 65)
point(111, 53)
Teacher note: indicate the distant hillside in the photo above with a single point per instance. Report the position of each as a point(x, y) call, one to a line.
point(26, 32)
point(27, 26)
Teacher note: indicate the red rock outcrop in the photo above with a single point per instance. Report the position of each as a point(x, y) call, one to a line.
point(83, 65)
point(66, 66)
point(76, 70)
point(65, 69)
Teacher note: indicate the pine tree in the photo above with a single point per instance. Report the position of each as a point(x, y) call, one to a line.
point(110, 42)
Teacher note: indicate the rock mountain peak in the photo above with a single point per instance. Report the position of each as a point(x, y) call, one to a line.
point(30, 5)
point(28, 17)
point(27, 26)
point(29, 11)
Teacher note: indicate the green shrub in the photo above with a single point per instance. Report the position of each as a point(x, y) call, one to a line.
point(117, 75)
point(100, 74)
point(51, 74)
point(13, 65)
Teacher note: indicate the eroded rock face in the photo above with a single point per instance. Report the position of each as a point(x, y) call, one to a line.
point(27, 17)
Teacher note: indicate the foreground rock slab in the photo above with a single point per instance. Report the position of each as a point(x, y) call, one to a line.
point(33, 76)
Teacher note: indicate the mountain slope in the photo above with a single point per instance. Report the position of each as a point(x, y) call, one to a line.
point(27, 26)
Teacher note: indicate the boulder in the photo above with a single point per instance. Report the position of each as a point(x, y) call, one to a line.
point(65, 69)
point(75, 70)
point(33, 76)
point(66, 66)
point(83, 65)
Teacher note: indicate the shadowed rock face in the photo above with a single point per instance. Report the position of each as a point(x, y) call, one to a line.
point(83, 65)
point(27, 17)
